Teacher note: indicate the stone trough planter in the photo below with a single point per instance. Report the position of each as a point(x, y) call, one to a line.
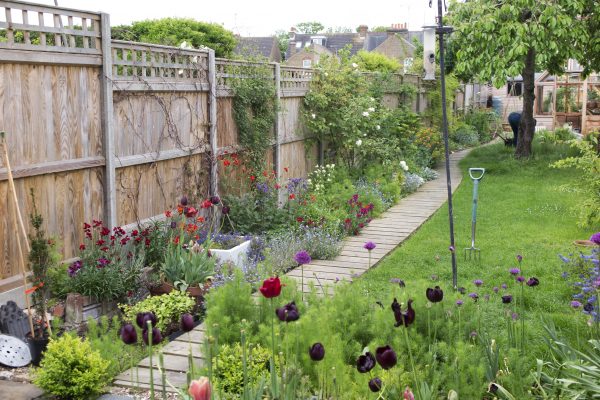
point(79, 309)
point(235, 255)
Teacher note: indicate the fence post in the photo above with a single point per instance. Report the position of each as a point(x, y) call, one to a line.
point(212, 123)
point(277, 127)
point(110, 195)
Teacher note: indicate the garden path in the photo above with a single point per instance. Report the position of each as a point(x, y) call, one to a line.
point(387, 232)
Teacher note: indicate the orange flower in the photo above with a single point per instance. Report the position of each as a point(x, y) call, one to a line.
point(265, 173)
point(236, 162)
point(180, 209)
point(200, 219)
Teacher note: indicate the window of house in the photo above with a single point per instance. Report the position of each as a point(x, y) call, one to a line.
point(306, 63)
point(514, 88)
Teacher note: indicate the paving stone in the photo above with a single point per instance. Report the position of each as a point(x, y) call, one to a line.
point(19, 391)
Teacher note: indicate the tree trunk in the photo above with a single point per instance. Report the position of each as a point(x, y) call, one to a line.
point(527, 125)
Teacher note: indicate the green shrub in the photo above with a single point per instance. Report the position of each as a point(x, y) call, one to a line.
point(59, 281)
point(167, 308)
point(480, 120)
point(71, 369)
point(104, 338)
point(229, 373)
point(465, 135)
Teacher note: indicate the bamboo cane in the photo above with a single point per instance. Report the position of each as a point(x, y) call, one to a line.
point(17, 216)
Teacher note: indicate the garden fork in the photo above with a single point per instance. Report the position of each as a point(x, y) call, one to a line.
point(473, 251)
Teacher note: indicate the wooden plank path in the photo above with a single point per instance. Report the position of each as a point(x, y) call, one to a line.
point(387, 232)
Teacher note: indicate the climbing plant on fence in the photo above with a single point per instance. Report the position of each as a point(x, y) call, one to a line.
point(254, 111)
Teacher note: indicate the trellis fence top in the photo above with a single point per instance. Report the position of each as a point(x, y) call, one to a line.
point(33, 32)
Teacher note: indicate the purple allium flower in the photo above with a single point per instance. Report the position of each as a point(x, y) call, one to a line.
point(183, 201)
point(519, 258)
point(369, 246)
point(375, 385)
point(575, 304)
point(74, 268)
point(473, 334)
point(474, 296)
point(520, 279)
point(514, 271)
point(596, 238)
point(302, 257)
point(514, 316)
point(316, 352)
point(288, 313)
point(507, 299)
point(399, 281)
point(128, 334)
point(187, 322)
point(337, 279)
point(459, 302)
point(533, 281)
point(495, 289)
point(504, 286)
point(478, 282)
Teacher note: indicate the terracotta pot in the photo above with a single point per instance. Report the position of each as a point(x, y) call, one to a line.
point(197, 291)
point(163, 288)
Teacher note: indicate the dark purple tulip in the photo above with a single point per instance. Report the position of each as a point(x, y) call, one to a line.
point(434, 295)
point(225, 210)
point(215, 200)
point(365, 362)
point(183, 201)
point(317, 352)
point(588, 307)
point(386, 357)
point(288, 313)
point(128, 334)
point(403, 317)
point(142, 317)
point(493, 388)
point(173, 225)
point(156, 336)
point(507, 299)
point(533, 281)
point(375, 385)
point(187, 322)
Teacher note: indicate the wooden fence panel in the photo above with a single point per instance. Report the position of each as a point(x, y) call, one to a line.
point(297, 160)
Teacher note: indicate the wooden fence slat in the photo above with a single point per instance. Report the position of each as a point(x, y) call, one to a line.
point(10, 37)
point(212, 120)
point(26, 35)
point(42, 33)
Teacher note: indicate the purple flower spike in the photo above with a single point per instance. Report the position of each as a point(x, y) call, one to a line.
point(514, 271)
point(369, 246)
point(478, 282)
point(459, 302)
point(575, 304)
point(504, 286)
point(302, 257)
point(520, 279)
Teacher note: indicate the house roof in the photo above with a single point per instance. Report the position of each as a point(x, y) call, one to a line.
point(255, 46)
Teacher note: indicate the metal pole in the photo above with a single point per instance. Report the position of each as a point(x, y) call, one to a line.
point(441, 31)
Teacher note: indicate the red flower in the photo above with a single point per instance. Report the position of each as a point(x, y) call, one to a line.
point(207, 204)
point(191, 212)
point(286, 169)
point(299, 219)
point(347, 221)
point(200, 219)
point(168, 213)
point(277, 186)
point(292, 196)
point(82, 247)
point(176, 241)
point(200, 389)
point(86, 225)
point(227, 163)
point(271, 287)
point(252, 178)
point(134, 232)
point(105, 231)
point(100, 242)
point(236, 162)
point(265, 173)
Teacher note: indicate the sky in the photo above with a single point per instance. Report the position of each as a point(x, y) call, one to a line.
point(264, 17)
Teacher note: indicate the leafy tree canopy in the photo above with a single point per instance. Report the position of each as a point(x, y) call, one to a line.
point(311, 27)
point(372, 61)
point(174, 31)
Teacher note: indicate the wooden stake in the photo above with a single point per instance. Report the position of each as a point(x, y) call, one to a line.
point(18, 216)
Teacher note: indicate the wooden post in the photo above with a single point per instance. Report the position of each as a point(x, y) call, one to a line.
point(277, 150)
point(212, 123)
point(110, 195)
point(584, 107)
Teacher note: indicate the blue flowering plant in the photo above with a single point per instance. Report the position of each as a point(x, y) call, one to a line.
point(582, 272)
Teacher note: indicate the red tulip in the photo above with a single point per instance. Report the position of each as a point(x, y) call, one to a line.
point(271, 287)
point(200, 389)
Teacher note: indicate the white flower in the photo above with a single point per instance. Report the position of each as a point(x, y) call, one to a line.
point(326, 74)
point(332, 165)
point(372, 99)
point(308, 181)
point(358, 142)
point(328, 179)
point(378, 127)
point(354, 65)
point(372, 109)
point(365, 113)
point(364, 135)
point(313, 115)
point(403, 165)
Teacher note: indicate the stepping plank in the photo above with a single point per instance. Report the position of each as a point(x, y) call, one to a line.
point(196, 336)
point(331, 275)
point(127, 384)
point(337, 270)
point(352, 263)
point(182, 348)
point(174, 378)
point(337, 264)
point(175, 363)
